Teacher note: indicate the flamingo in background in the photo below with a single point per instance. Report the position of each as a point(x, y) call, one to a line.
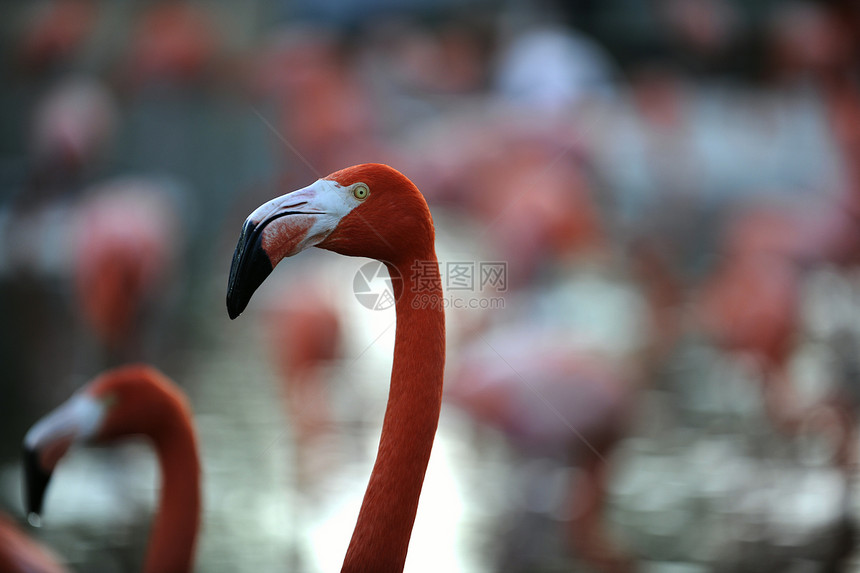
point(129, 401)
point(123, 251)
point(551, 399)
point(21, 554)
point(750, 303)
point(304, 334)
point(172, 42)
point(55, 31)
point(374, 211)
point(73, 127)
point(322, 106)
point(543, 380)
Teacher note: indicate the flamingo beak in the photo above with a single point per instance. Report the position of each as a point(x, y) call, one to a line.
point(49, 440)
point(36, 482)
point(280, 228)
point(250, 267)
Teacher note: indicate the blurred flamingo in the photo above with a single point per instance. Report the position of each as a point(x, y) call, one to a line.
point(73, 126)
point(304, 336)
point(368, 210)
point(173, 41)
point(537, 207)
point(750, 305)
point(124, 248)
point(322, 106)
point(55, 31)
point(129, 401)
point(551, 399)
point(548, 394)
point(21, 554)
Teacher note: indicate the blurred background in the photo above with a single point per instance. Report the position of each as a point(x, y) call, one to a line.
point(666, 380)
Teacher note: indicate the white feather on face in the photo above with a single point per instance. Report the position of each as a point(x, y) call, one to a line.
point(303, 218)
point(78, 419)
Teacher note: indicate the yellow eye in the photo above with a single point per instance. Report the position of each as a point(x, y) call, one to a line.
point(360, 191)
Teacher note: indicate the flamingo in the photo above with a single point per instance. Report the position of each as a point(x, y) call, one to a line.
point(573, 405)
point(127, 401)
point(123, 254)
point(304, 331)
point(55, 32)
point(73, 127)
point(369, 210)
point(751, 305)
point(172, 42)
point(321, 105)
point(20, 553)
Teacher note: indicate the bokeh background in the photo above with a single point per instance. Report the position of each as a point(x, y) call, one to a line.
point(667, 380)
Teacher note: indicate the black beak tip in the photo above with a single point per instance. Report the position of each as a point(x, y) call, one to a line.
point(35, 482)
point(234, 308)
point(250, 267)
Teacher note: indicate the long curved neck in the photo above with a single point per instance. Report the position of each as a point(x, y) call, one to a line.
point(381, 537)
point(174, 531)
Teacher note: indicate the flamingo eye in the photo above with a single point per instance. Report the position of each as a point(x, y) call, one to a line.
point(360, 191)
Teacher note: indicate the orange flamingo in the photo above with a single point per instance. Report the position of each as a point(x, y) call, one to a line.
point(128, 401)
point(369, 210)
point(21, 554)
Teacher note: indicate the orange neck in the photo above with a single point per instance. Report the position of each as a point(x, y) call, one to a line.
point(381, 537)
point(174, 531)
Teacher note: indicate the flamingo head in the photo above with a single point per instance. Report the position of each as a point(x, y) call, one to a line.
point(120, 402)
point(368, 210)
